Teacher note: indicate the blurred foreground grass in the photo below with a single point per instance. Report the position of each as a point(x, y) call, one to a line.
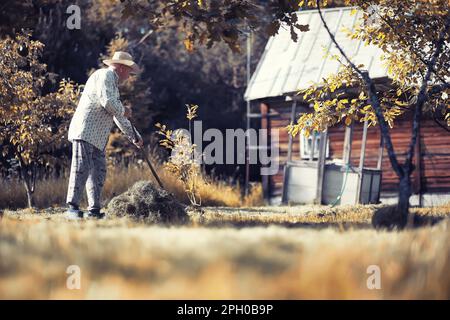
point(266, 252)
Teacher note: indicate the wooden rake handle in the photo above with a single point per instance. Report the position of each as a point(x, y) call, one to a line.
point(144, 155)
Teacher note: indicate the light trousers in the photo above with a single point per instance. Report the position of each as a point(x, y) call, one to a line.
point(87, 171)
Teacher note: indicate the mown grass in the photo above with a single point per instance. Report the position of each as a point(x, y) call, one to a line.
point(258, 253)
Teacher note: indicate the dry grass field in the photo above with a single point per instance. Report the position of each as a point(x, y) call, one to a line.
point(212, 190)
point(255, 252)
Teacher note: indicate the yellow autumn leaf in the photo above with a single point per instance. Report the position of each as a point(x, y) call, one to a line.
point(401, 103)
point(189, 44)
point(316, 106)
point(362, 96)
point(348, 121)
point(306, 133)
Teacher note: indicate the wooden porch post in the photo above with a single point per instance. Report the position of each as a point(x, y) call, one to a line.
point(264, 108)
point(293, 111)
point(418, 170)
point(313, 147)
point(379, 164)
point(321, 165)
point(248, 104)
point(347, 152)
point(289, 157)
point(247, 151)
point(380, 153)
point(362, 158)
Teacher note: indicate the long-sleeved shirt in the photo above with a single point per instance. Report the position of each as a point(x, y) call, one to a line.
point(98, 109)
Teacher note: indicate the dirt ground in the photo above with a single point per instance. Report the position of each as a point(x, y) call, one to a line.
point(300, 252)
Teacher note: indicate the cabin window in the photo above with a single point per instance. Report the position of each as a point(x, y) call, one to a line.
point(311, 144)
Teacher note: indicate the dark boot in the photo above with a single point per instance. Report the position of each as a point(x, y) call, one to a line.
point(96, 214)
point(74, 213)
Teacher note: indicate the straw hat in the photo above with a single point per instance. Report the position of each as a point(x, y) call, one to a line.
point(123, 58)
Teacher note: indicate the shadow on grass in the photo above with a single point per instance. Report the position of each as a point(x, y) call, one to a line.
point(331, 215)
point(309, 225)
point(426, 221)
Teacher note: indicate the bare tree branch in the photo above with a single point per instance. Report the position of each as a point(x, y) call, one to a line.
point(438, 88)
point(423, 95)
point(436, 120)
point(373, 97)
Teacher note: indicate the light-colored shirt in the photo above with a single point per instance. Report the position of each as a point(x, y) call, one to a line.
point(98, 109)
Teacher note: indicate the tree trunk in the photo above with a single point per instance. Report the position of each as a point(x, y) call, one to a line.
point(29, 191)
point(29, 180)
point(404, 194)
point(396, 216)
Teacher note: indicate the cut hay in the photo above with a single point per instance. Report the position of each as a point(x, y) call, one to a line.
point(146, 201)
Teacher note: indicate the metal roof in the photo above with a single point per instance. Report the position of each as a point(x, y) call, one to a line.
point(287, 66)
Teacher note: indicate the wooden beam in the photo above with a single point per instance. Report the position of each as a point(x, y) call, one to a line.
point(380, 153)
point(313, 146)
point(321, 165)
point(249, 110)
point(362, 155)
point(418, 169)
point(264, 109)
point(293, 111)
point(379, 164)
point(362, 158)
point(371, 188)
point(347, 152)
point(247, 151)
point(289, 157)
point(285, 183)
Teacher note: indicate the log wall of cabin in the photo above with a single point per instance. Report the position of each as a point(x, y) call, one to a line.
point(278, 122)
point(434, 146)
point(281, 118)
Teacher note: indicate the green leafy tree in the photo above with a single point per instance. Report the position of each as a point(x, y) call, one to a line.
point(32, 125)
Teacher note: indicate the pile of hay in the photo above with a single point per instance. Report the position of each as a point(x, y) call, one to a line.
point(145, 201)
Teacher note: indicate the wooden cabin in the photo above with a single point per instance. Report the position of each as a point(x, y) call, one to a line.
point(345, 164)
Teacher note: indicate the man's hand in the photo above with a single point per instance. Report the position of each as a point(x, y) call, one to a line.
point(128, 112)
point(139, 143)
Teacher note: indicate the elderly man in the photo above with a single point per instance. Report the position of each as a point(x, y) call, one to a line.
point(98, 109)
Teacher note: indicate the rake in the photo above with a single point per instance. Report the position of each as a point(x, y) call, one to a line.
point(144, 155)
